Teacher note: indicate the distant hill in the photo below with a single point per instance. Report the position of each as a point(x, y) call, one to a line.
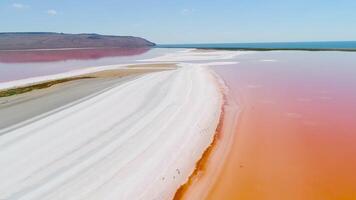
point(48, 40)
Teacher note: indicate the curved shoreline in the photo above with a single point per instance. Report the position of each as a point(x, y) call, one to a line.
point(208, 167)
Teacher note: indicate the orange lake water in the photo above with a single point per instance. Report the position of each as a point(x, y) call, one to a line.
point(296, 136)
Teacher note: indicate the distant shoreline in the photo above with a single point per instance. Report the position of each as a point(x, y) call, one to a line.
point(260, 49)
point(271, 46)
point(277, 49)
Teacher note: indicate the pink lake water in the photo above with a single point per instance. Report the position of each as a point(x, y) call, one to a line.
point(296, 136)
point(16, 65)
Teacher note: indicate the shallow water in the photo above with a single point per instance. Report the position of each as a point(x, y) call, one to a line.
point(296, 138)
point(16, 65)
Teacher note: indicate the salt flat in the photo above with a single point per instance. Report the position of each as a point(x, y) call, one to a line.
point(197, 55)
point(137, 140)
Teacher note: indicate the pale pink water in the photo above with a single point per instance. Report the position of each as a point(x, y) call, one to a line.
point(16, 65)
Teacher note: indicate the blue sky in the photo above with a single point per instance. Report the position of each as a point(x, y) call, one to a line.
point(188, 21)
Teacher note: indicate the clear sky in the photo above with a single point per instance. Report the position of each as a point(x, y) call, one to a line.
point(187, 21)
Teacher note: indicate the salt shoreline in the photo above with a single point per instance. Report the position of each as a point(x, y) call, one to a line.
point(208, 168)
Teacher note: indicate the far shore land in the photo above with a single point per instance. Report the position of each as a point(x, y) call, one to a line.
point(265, 49)
point(278, 49)
point(272, 46)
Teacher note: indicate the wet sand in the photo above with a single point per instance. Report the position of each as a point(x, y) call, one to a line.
point(131, 70)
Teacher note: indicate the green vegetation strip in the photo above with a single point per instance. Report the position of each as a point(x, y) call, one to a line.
point(30, 88)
